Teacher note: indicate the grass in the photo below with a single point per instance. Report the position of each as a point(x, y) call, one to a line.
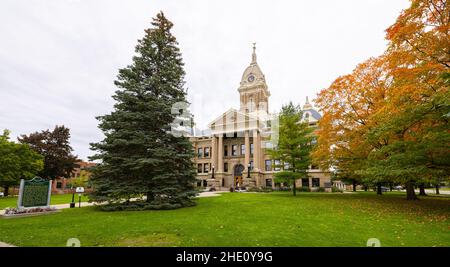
point(253, 219)
point(11, 201)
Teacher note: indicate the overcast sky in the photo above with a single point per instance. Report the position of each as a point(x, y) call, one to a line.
point(59, 58)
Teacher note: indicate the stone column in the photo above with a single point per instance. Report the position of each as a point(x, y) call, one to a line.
point(220, 154)
point(256, 150)
point(213, 152)
point(247, 150)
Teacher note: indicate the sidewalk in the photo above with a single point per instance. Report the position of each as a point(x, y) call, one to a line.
point(87, 204)
point(5, 245)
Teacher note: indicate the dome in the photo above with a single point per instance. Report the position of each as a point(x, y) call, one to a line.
point(252, 70)
point(252, 73)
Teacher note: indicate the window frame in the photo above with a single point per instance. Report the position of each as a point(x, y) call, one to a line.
point(234, 150)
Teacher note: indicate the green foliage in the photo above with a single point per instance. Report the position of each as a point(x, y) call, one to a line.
point(55, 147)
point(17, 161)
point(304, 189)
point(260, 189)
point(294, 145)
point(334, 189)
point(139, 156)
point(82, 180)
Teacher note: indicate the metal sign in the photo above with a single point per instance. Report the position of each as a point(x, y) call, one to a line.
point(34, 193)
point(79, 190)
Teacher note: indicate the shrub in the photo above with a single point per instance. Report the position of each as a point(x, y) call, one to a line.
point(335, 189)
point(260, 189)
point(303, 189)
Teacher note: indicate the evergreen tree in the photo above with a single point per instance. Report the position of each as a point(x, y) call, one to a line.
point(294, 146)
point(140, 157)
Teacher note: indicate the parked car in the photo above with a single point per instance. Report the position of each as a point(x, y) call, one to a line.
point(2, 194)
point(398, 187)
point(385, 189)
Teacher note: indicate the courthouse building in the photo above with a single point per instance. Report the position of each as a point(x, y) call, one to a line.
point(233, 153)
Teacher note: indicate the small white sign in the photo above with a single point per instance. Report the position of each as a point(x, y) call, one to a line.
point(79, 190)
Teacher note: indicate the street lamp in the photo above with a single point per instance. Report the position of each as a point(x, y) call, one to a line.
point(72, 204)
point(248, 170)
point(212, 171)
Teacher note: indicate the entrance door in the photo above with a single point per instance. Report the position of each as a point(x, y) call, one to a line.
point(238, 169)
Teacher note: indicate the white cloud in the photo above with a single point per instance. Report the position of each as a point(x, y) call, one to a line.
point(58, 59)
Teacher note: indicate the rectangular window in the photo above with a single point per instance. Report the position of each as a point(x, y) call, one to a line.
point(242, 149)
point(315, 182)
point(206, 152)
point(199, 168)
point(251, 149)
point(277, 165)
point(268, 182)
point(206, 167)
point(200, 152)
point(225, 151)
point(305, 182)
point(286, 166)
point(268, 165)
point(234, 150)
point(251, 164)
point(225, 167)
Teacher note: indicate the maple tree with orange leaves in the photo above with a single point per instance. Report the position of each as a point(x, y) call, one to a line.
point(388, 121)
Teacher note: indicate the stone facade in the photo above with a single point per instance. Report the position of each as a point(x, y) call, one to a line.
point(234, 153)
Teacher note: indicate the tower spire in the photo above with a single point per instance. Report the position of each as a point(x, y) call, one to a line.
point(254, 54)
point(307, 105)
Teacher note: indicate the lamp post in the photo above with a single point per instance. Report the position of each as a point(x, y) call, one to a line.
point(248, 170)
point(212, 172)
point(72, 204)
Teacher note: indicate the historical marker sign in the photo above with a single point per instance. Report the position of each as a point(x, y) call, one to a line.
point(34, 193)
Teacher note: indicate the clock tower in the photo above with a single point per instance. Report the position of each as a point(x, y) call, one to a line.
point(253, 90)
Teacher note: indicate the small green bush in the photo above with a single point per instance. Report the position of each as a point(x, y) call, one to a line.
point(335, 189)
point(260, 189)
point(303, 189)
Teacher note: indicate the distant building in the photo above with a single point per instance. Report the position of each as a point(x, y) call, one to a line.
point(237, 141)
point(60, 184)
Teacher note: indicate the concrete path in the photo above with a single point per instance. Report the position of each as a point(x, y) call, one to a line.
point(5, 245)
point(211, 194)
point(87, 204)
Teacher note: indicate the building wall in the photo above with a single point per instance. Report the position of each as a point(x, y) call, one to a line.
point(225, 180)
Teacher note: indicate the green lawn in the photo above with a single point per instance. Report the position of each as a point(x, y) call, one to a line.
point(11, 202)
point(253, 219)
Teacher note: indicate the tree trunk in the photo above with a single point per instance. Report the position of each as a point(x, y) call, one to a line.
point(410, 193)
point(390, 187)
point(437, 189)
point(150, 197)
point(422, 189)
point(379, 189)
point(354, 185)
point(294, 190)
point(365, 188)
point(6, 190)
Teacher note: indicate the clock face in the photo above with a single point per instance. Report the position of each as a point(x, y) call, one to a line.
point(251, 78)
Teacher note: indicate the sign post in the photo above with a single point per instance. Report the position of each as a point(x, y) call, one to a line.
point(79, 190)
